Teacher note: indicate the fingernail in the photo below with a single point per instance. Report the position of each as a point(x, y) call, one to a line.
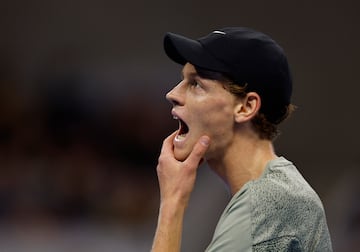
point(205, 140)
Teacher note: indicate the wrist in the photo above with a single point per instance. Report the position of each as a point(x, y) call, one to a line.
point(172, 208)
point(169, 228)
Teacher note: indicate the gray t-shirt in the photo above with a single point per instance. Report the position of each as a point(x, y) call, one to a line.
point(277, 212)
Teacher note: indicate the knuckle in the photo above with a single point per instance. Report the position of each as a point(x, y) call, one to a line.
point(161, 160)
point(199, 151)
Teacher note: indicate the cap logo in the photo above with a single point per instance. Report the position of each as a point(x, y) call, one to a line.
point(219, 32)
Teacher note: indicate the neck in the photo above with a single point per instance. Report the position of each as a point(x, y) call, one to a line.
point(243, 160)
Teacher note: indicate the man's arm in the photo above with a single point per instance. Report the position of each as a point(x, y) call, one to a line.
point(176, 181)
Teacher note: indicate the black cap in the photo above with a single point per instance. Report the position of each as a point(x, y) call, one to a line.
point(244, 55)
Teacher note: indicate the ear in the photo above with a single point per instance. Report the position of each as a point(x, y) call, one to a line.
point(247, 107)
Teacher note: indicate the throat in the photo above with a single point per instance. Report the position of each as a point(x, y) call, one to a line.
point(240, 163)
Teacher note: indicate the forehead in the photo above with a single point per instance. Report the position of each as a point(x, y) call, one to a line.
point(189, 69)
point(211, 81)
point(203, 73)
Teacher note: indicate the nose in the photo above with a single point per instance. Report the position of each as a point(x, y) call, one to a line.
point(175, 96)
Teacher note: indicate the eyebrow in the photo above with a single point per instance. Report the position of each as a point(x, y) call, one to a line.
point(191, 74)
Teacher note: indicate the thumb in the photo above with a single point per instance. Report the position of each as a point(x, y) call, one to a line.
point(198, 151)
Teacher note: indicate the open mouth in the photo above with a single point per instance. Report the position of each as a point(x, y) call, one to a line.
point(183, 129)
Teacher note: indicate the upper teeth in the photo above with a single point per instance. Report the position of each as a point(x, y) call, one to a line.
point(175, 117)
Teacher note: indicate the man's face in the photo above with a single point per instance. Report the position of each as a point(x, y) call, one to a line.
point(203, 107)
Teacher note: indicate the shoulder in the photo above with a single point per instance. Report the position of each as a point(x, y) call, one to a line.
point(282, 187)
point(283, 204)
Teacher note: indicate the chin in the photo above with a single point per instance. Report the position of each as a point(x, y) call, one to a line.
point(180, 155)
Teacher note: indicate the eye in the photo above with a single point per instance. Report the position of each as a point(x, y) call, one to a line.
point(195, 83)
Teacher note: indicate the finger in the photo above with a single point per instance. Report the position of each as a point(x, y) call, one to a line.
point(198, 151)
point(168, 143)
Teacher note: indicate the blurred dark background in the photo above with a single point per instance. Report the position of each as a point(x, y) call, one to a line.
point(83, 115)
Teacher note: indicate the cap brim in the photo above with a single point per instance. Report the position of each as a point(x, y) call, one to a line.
point(182, 50)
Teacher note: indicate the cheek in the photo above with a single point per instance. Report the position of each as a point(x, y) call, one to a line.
point(218, 120)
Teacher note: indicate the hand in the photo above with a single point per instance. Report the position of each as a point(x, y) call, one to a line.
point(176, 178)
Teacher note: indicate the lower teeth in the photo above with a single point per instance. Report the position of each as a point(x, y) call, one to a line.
point(181, 136)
